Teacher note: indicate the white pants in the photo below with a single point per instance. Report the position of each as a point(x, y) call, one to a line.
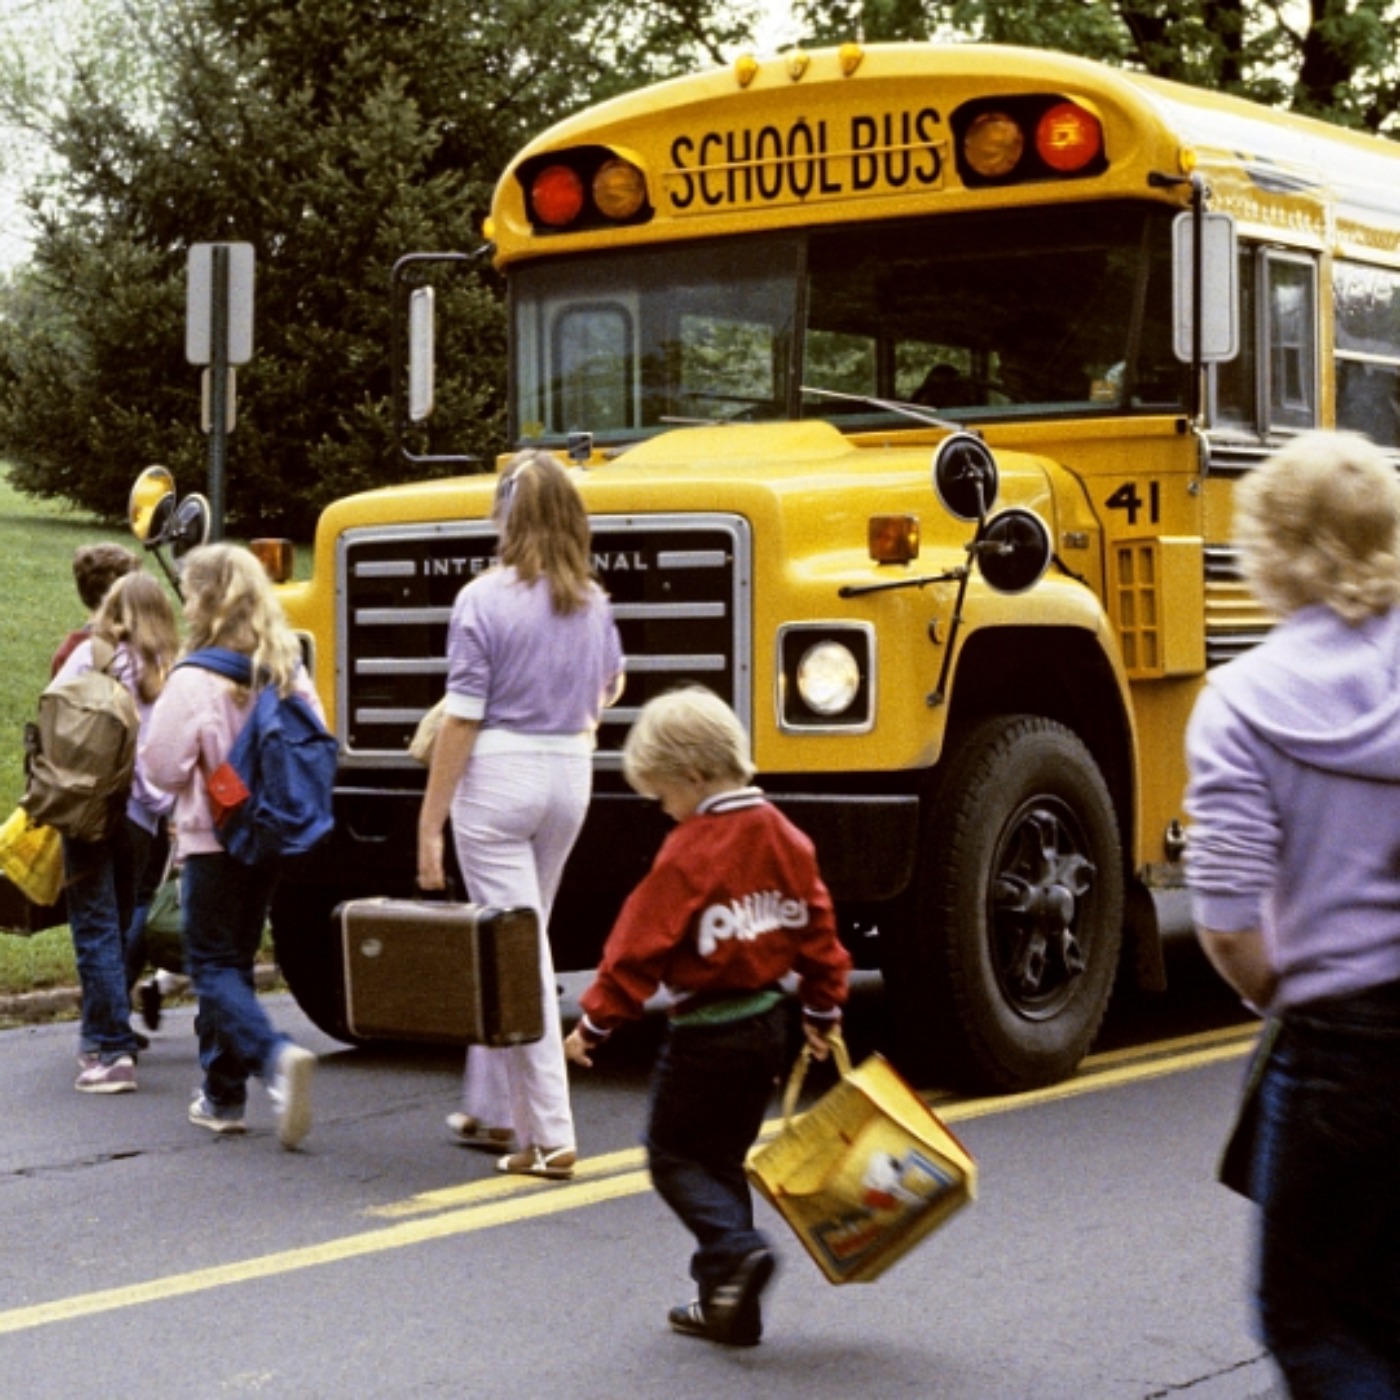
point(515, 818)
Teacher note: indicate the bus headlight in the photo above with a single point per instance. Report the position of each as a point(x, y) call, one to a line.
point(826, 677)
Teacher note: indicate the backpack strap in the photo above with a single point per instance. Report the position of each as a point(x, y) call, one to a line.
point(223, 661)
point(101, 648)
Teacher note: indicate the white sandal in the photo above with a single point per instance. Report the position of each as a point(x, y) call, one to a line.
point(552, 1163)
point(471, 1132)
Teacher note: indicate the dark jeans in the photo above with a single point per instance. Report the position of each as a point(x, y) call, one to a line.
point(1327, 1178)
point(98, 888)
point(710, 1089)
point(149, 852)
point(225, 905)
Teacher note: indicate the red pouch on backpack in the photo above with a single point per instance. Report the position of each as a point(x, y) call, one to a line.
point(226, 790)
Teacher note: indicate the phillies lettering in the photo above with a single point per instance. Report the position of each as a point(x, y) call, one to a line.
point(748, 918)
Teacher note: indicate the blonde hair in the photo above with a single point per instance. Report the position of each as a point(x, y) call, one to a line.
point(1319, 522)
point(136, 611)
point(229, 602)
point(544, 528)
point(686, 732)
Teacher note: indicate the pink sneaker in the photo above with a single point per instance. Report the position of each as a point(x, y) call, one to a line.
point(119, 1077)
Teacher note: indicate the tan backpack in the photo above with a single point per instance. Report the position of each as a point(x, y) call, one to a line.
point(81, 752)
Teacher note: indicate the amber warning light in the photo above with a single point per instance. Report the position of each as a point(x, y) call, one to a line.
point(894, 539)
point(1027, 137)
point(584, 187)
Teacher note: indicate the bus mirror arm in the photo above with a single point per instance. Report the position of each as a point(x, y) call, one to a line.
point(859, 590)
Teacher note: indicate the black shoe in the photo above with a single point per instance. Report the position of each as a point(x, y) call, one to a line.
point(148, 993)
point(690, 1321)
point(143, 1042)
point(733, 1307)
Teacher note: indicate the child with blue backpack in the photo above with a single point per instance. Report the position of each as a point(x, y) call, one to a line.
point(229, 604)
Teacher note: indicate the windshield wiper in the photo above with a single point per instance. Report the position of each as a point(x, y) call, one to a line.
point(906, 410)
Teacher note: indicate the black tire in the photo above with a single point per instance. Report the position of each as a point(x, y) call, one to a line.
point(307, 944)
point(1001, 977)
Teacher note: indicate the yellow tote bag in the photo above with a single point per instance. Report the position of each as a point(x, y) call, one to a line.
point(865, 1173)
point(32, 858)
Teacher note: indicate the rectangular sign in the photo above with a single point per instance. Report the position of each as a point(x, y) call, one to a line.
point(199, 304)
point(862, 155)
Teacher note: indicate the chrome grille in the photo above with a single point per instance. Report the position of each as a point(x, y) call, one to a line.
point(681, 590)
point(1235, 621)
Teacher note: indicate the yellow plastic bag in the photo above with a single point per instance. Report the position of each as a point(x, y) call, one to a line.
point(865, 1173)
point(31, 857)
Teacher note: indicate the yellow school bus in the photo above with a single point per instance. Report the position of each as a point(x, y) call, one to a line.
point(906, 387)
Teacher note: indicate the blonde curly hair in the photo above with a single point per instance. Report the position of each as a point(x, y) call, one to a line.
point(229, 602)
point(1319, 522)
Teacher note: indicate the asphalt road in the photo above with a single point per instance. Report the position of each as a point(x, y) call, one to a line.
point(145, 1258)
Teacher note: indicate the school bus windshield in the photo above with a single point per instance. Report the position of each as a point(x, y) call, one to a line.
point(1006, 314)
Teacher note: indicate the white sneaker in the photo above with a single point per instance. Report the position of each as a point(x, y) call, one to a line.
point(203, 1114)
point(289, 1088)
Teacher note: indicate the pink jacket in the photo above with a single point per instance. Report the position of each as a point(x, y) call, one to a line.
point(197, 716)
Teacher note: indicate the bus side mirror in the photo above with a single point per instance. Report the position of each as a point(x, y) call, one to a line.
point(1218, 305)
point(421, 366)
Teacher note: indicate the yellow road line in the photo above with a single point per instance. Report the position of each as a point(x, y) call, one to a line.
point(482, 1205)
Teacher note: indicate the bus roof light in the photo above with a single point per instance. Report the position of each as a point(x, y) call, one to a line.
point(993, 144)
point(619, 189)
point(556, 194)
point(1067, 138)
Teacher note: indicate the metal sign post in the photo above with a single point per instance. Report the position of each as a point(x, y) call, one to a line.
point(219, 333)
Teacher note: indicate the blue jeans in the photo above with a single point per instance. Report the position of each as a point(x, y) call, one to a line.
point(1326, 1175)
point(225, 904)
point(149, 850)
point(710, 1089)
point(97, 885)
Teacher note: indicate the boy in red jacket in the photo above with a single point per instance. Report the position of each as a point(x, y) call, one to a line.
point(732, 904)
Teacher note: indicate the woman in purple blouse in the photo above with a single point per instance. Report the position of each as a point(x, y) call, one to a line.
point(533, 655)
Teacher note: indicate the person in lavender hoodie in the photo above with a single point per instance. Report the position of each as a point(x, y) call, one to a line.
point(533, 655)
point(1294, 867)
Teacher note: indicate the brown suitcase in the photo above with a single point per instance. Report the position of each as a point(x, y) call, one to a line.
point(443, 972)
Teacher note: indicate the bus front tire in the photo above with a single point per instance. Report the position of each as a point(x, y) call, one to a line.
point(1001, 979)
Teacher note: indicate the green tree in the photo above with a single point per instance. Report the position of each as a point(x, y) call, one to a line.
point(334, 136)
point(1333, 59)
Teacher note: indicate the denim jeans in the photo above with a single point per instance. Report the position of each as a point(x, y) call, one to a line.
point(97, 885)
point(225, 904)
point(149, 851)
point(710, 1089)
point(1326, 1175)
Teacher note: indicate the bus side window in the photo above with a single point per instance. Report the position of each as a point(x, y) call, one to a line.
point(1291, 308)
point(1236, 382)
point(1367, 301)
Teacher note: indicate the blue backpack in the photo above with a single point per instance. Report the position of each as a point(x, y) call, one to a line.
point(275, 788)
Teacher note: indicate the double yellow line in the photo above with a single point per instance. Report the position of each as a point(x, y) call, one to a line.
point(482, 1205)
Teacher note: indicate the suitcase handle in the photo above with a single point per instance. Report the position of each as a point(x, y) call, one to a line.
point(447, 894)
point(799, 1071)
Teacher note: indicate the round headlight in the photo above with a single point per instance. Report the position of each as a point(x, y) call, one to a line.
point(828, 678)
